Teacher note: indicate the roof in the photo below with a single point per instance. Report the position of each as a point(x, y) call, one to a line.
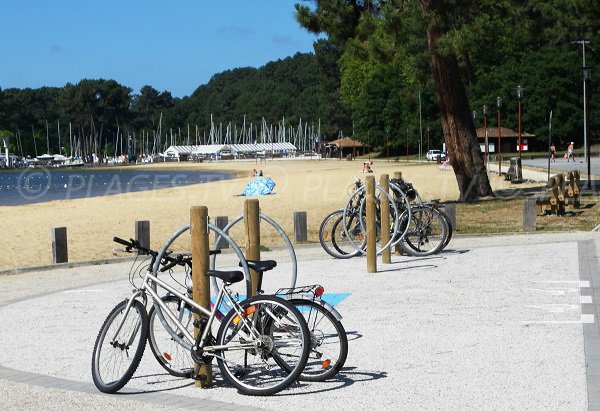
point(346, 142)
point(492, 132)
point(236, 148)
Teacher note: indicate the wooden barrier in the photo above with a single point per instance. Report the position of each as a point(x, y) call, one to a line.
point(384, 182)
point(300, 229)
point(252, 228)
point(142, 234)
point(221, 222)
point(573, 189)
point(371, 225)
point(553, 200)
point(60, 251)
point(200, 282)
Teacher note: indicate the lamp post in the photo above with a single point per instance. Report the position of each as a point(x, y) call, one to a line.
point(587, 75)
point(520, 98)
point(551, 105)
point(486, 136)
point(499, 105)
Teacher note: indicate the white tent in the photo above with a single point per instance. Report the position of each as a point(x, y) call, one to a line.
point(235, 149)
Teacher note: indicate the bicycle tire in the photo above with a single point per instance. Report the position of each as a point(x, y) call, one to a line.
point(450, 228)
point(256, 371)
point(104, 355)
point(170, 352)
point(427, 231)
point(329, 342)
point(333, 239)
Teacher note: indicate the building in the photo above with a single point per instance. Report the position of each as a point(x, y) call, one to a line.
point(509, 140)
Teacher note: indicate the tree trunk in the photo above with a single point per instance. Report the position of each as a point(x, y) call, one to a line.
point(459, 132)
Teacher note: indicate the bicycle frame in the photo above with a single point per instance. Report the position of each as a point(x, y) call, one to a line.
point(212, 314)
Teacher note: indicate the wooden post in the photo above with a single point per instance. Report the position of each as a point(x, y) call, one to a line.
point(142, 234)
point(60, 252)
point(200, 282)
point(300, 226)
point(529, 214)
point(371, 226)
point(384, 182)
point(252, 227)
point(221, 222)
point(450, 210)
point(397, 176)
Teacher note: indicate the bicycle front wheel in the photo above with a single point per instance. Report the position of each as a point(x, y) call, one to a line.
point(333, 239)
point(265, 333)
point(167, 342)
point(328, 341)
point(119, 346)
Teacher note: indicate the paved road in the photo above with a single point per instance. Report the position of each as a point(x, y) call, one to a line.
point(502, 322)
point(561, 165)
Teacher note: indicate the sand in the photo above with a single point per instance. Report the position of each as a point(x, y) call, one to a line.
point(315, 186)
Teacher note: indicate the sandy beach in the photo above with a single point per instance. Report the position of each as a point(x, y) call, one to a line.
point(315, 186)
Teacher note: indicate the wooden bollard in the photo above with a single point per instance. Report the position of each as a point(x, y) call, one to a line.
point(60, 252)
point(450, 210)
point(529, 214)
point(142, 234)
point(221, 222)
point(300, 231)
point(200, 282)
point(397, 176)
point(371, 225)
point(252, 228)
point(384, 182)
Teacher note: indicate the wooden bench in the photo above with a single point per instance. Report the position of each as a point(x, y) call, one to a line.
point(573, 189)
point(553, 200)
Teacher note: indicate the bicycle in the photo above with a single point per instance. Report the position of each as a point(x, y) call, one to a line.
point(328, 340)
point(261, 347)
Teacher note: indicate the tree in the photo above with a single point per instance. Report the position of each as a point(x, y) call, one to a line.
point(368, 22)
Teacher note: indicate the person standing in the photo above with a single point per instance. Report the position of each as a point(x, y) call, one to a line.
point(553, 153)
point(570, 154)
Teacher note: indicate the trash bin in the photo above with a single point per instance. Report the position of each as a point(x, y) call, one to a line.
point(515, 172)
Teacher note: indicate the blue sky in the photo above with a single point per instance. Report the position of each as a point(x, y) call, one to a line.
point(173, 45)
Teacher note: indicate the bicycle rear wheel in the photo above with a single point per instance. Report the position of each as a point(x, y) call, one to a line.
point(328, 341)
point(427, 232)
point(167, 342)
point(118, 352)
point(267, 332)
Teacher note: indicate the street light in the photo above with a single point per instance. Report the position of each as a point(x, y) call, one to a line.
point(486, 135)
point(587, 76)
point(520, 98)
point(499, 105)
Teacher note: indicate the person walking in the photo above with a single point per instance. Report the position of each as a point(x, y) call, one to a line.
point(570, 154)
point(553, 153)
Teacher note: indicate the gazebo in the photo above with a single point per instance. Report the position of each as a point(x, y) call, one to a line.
point(346, 145)
point(509, 140)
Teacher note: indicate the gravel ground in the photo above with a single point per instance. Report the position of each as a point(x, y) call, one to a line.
point(491, 323)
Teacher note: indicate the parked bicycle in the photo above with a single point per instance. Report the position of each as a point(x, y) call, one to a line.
point(328, 340)
point(261, 347)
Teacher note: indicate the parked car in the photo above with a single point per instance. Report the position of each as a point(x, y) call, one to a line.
point(432, 155)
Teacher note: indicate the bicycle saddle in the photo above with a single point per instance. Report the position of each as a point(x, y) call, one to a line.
point(227, 276)
point(261, 266)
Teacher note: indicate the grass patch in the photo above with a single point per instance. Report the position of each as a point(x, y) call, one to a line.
point(506, 216)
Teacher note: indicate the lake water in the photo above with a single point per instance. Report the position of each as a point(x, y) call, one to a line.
point(18, 187)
